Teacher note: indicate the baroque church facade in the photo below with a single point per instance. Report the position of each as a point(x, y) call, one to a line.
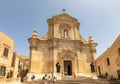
point(62, 44)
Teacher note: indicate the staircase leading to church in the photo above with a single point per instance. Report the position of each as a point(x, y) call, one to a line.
point(77, 80)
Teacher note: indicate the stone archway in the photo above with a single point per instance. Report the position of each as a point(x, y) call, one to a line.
point(66, 58)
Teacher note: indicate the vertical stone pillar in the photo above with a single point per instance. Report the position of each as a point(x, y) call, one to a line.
point(78, 62)
point(32, 53)
point(54, 56)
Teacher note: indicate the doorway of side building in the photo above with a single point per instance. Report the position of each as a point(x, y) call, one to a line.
point(67, 67)
point(99, 71)
point(118, 72)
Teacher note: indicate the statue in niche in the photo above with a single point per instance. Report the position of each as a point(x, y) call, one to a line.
point(65, 33)
point(92, 67)
point(58, 67)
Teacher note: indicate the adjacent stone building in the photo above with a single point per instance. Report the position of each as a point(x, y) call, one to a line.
point(12, 65)
point(62, 44)
point(109, 61)
point(6, 54)
point(20, 64)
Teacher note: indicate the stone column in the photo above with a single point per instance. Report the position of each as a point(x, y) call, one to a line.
point(54, 56)
point(32, 53)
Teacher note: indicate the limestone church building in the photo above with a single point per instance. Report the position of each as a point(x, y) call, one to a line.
point(62, 44)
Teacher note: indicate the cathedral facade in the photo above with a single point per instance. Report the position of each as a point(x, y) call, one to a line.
point(63, 45)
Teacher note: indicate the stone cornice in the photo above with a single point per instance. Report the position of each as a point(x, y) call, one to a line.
point(33, 40)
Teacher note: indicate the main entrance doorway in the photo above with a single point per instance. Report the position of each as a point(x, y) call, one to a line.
point(67, 68)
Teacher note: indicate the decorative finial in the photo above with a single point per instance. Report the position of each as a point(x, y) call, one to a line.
point(34, 34)
point(91, 39)
point(63, 10)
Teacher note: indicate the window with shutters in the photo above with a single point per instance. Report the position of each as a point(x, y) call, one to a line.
point(5, 53)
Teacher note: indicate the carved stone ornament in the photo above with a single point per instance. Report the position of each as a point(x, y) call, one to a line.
point(67, 53)
point(65, 26)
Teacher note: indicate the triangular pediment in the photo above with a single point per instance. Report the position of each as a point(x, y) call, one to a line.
point(64, 16)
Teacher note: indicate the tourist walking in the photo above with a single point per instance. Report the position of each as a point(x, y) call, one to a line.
point(49, 80)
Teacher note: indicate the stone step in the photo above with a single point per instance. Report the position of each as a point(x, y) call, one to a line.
point(78, 80)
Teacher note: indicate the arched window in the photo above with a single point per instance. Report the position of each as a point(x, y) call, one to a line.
point(65, 33)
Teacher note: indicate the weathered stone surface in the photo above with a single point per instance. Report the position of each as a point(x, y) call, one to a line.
point(109, 61)
point(6, 55)
point(64, 44)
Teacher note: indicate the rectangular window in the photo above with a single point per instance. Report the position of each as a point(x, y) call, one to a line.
point(108, 61)
point(5, 53)
point(119, 51)
point(2, 70)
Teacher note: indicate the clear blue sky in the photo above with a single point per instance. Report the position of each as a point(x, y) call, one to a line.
point(99, 18)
